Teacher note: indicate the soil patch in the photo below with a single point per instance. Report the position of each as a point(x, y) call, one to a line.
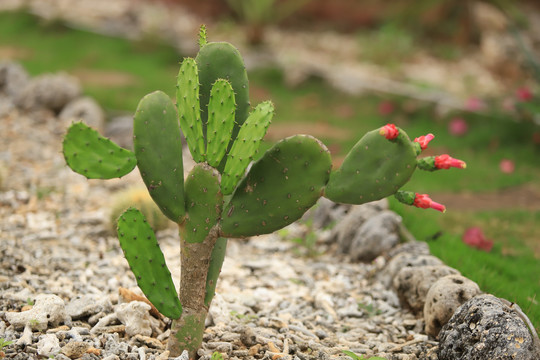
point(105, 78)
point(525, 197)
point(14, 53)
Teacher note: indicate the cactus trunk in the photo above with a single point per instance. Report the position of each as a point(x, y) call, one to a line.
point(189, 328)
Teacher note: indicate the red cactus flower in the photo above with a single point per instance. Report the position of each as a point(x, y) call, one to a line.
point(445, 161)
point(423, 201)
point(389, 131)
point(524, 94)
point(424, 140)
point(474, 237)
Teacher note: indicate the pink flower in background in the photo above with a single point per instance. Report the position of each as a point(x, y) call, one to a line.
point(458, 127)
point(475, 104)
point(507, 166)
point(524, 94)
point(386, 108)
point(389, 131)
point(474, 237)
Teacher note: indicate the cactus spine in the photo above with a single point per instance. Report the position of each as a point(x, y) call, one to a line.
point(219, 199)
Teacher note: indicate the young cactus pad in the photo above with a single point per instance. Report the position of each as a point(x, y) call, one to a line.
point(148, 263)
point(222, 196)
point(94, 156)
point(382, 166)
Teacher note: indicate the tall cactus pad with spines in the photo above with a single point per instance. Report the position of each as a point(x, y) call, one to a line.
point(187, 101)
point(148, 263)
point(221, 110)
point(375, 168)
point(278, 188)
point(246, 145)
point(204, 202)
point(94, 156)
point(220, 60)
point(159, 153)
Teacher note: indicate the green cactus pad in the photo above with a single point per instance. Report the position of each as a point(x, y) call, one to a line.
point(246, 145)
point(221, 60)
point(147, 262)
point(214, 269)
point(204, 202)
point(278, 188)
point(187, 101)
point(159, 153)
point(94, 156)
point(375, 168)
point(221, 109)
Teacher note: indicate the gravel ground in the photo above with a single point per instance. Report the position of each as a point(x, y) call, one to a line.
point(273, 300)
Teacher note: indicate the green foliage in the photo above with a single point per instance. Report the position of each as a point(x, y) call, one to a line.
point(389, 46)
point(4, 343)
point(265, 11)
point(369, 309)
point(216, 356)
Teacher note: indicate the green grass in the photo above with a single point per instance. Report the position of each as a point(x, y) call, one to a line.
point(146, 65)
point(509, 271)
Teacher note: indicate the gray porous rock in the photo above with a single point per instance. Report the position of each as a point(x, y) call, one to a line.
point(120, 130)
point(75, 349)
point(13, 78)
point(49, 91)
point(377, 235)
point(413, 283)
point(326, 213)
point(402, 260)
point(486, 327)
point(444, 297)
point(6, 105)
point(84, 109)
point(410, 247)
point(88, 305)
point(347, 228)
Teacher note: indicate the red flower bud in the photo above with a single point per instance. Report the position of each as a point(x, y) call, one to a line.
point(423, 201)
point(424, 140)
point(389, 131)
point(446, 162)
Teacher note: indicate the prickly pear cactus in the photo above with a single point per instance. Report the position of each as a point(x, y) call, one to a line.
point(222, 196)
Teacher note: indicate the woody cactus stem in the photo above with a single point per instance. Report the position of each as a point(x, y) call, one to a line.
point(220, 197)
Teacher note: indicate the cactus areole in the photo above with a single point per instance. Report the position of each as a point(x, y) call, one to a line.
point(220, 197)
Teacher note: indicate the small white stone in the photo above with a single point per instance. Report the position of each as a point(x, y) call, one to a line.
point(135, 316)
point(48, 345)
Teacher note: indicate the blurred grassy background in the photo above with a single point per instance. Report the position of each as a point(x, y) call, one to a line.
point(117, 73)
